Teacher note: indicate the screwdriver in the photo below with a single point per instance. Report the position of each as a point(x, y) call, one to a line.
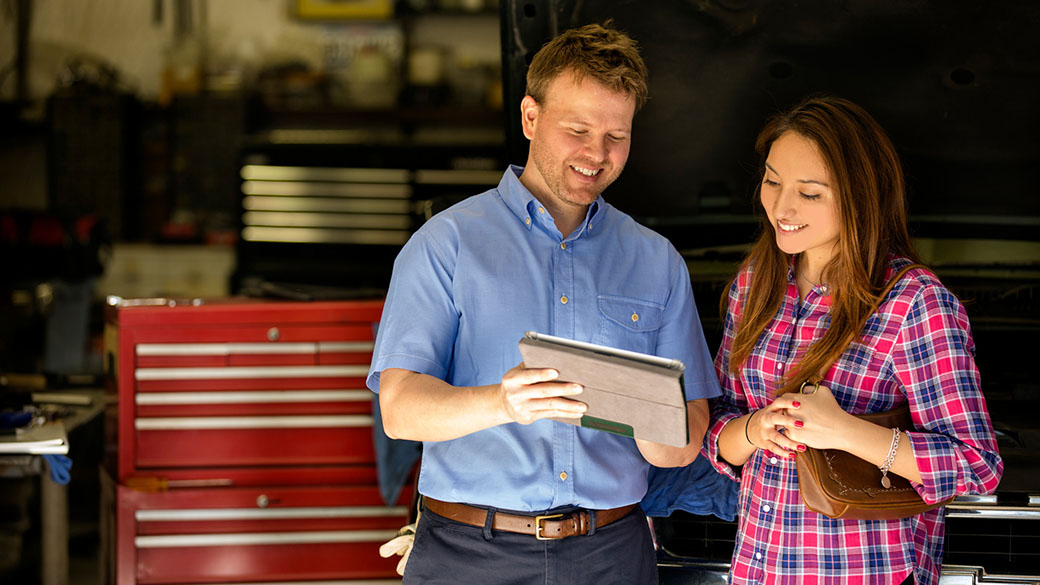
point(161, 484)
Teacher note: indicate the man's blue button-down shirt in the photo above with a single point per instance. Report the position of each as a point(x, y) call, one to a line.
point(474, 278)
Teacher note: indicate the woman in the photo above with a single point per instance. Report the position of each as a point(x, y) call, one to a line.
point(836, 232)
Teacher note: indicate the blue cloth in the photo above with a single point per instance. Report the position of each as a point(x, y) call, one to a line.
point(394, 458)
point(474, 278)
point(59, 466)
point(697, 488)
point(14, 420)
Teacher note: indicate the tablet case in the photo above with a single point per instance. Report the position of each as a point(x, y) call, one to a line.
point(627, 393)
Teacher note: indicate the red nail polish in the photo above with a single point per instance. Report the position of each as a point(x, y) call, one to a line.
point(796, 404)
point(798, 424)
point(801, 447)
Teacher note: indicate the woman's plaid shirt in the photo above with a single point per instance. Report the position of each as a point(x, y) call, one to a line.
point(917, 347)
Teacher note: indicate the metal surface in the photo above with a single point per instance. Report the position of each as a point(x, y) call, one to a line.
point(324, 204)
point(252, 397)
point(1002, 512)
point(261, 538)
point(231, 348)
point(328, 189)
point(962, 575)
point(288, 173)
point(251, 422)
point(324, 236)
point(191, 515)
point(324, 220)
point(250, 372)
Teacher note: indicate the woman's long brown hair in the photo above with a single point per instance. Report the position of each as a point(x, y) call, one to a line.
point(868, 182)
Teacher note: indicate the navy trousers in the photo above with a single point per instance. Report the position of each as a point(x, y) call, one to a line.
point(449, 552)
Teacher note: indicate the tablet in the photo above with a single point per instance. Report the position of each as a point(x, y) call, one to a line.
point(628, 393)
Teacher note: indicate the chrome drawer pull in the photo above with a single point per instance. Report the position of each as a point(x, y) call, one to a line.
point(252, 397)
point(249, 372)
point(324, 235)
point(251, 422)
point(255, 538)
point(237, 348)
point(297, 189)
point(192, 515)
point(955, 510)
point(349, 175)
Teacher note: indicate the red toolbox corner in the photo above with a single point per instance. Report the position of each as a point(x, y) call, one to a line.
point(239, 444)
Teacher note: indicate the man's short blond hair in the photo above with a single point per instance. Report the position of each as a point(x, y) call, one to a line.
point(594, 51)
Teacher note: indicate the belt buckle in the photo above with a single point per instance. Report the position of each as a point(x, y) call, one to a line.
point(538, 526)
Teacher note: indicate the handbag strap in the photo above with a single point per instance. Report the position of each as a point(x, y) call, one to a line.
point(873, 309)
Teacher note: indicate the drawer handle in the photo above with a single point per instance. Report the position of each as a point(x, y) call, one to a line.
point(251, 422)
point(268, 513)
point(996, 512)
point(252, 397)
point(243, 348)
point(250, 372)
point(273, 334)
point(258, 538)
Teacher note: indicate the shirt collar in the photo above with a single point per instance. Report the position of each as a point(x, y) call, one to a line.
point(525, 205)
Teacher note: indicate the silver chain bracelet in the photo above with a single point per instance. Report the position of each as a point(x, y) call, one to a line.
point(887, 463)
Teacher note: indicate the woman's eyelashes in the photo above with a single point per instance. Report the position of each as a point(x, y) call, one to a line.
point(771, 183)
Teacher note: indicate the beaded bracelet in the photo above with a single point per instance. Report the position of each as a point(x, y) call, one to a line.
point(890, 459)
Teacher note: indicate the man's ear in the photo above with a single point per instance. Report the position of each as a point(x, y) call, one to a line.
point(528, 115)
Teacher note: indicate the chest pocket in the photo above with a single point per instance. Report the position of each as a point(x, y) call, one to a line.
point(628, 323)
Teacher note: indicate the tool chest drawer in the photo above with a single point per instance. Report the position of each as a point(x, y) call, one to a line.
point(252, 535)
point(238, 383)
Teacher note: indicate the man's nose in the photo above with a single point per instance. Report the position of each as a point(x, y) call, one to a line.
point(596, 148)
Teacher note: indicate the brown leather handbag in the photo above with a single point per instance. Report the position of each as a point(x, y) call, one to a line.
point(838, 484)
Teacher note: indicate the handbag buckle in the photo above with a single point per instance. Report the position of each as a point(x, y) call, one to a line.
point(815, 387)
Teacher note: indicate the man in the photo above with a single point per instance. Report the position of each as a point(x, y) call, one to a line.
point(544, 252)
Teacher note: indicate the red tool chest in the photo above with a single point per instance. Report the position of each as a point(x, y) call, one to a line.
point(239, 444)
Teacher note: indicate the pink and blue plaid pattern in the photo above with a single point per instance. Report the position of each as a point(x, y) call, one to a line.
point(917, 347)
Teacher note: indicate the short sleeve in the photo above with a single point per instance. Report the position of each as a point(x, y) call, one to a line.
point(419, 323)
point(682, 336)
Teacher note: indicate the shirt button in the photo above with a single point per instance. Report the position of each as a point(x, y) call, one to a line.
point(563, 245)
point(527, 220)
point(541, 210)
point(766, 508)
point(758, 556)
point(779, 366)
point(563, 476)
point(563, 299)
point(635, 317)
point(772, 460)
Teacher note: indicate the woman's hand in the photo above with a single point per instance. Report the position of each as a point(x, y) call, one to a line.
point(768, 428)
point(818, 420)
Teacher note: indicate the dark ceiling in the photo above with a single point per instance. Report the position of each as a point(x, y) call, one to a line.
point(956, 84)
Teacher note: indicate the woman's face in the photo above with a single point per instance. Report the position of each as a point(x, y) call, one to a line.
point(798, 198)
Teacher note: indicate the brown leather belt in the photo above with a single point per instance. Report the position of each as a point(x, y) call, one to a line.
point(543, 527)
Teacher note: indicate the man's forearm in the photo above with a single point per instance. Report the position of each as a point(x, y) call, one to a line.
point(420, 407)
